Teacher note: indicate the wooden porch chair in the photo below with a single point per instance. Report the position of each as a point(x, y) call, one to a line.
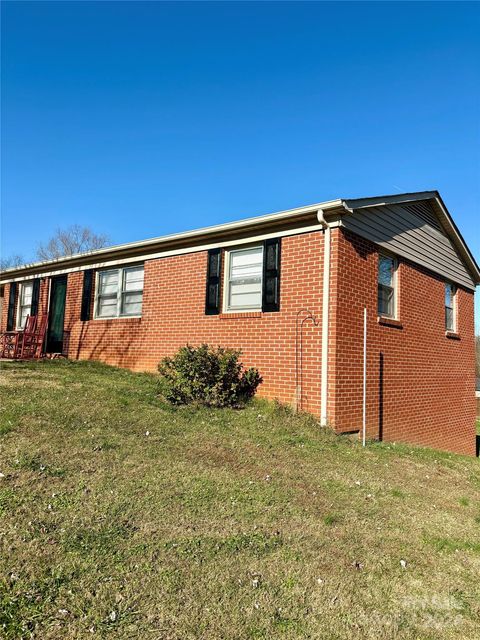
point(32, 341)
point(11, 341)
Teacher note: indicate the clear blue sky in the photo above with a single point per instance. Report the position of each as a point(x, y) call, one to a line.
point(140, 119)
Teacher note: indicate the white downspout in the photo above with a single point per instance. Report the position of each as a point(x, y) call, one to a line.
point(325, 317)
point(364, 398)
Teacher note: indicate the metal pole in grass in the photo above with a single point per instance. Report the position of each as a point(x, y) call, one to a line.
point(364, 416)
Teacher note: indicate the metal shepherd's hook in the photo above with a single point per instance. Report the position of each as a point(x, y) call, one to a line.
point(299, 353)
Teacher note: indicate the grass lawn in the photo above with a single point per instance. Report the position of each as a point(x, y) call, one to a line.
point(121, 517)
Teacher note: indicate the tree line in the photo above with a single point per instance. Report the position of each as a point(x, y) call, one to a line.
point(65, 242)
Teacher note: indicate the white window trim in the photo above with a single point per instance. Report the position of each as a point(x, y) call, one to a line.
point(18, 327)
point(454, 308)
point(226, 280)
point(120, 271)
point(384, 254)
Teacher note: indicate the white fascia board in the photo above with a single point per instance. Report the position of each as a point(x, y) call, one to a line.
point(4, 279)
point(184, 235)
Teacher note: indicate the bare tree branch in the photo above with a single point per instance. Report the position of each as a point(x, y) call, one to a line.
point(9, 262)
point(74, 239)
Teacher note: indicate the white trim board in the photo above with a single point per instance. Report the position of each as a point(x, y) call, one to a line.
point(186, 235)
point(332, 206)
point(172, 252)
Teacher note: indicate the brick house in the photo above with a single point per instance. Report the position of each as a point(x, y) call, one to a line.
point(289, 289)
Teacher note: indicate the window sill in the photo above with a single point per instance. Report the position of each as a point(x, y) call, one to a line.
point(232, 315)
point(453, 335)
point(389, 322)
point(114, 318)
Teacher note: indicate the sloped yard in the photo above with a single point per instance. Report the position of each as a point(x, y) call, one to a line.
point(121, 517)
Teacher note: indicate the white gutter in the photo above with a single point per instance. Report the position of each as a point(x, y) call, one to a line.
point(5, 278)
point(325, 317)
point(184, 235)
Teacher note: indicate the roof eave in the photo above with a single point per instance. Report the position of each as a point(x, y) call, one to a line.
point(239, 226)
point(446, 219)
point(153, 244)
point(458, 239)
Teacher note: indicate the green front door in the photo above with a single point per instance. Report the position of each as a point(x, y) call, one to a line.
point(56, 316)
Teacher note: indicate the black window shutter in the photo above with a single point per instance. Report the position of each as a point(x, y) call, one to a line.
point(86, 294)
point(35, 297)
point(11, 306)
point(212, 297)
point(271, 275)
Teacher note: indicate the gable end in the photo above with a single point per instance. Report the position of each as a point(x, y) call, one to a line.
point(413, 231)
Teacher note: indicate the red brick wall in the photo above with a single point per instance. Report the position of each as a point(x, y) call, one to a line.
point(420, 382)
point(174, 313)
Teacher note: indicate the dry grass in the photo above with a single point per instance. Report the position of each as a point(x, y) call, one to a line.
point(220, 523)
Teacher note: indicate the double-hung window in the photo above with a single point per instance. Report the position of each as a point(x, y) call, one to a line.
point(119, 292)
point(24, 304)
point(387, 267)
point(450, 306)
point(244, 279)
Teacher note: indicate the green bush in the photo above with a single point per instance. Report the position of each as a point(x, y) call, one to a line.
point(207, 376)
